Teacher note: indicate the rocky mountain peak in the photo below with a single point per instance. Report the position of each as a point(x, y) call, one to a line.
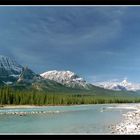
point(9, 69)
point(66, 78)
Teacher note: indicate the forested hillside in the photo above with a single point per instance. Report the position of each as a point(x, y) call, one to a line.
point(10, 96)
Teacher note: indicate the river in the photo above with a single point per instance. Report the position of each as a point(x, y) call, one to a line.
point(77, 119)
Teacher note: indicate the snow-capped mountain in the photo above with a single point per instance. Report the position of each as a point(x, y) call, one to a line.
point(9, 69)
point(13, 73)
point(124, 85)
point(66, 78)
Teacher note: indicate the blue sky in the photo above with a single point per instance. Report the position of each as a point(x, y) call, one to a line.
point(99, 43)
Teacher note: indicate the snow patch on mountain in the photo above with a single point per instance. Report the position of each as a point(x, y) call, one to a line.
point(124, 85)
point(8, 83)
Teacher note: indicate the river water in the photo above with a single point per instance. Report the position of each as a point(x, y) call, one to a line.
point(78, 119)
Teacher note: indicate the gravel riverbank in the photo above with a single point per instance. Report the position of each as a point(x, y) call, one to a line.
point(130, 123)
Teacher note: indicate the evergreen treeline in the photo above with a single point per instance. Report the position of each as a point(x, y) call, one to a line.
point(15, 97)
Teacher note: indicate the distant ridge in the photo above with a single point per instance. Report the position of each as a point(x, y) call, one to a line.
point(124, 85)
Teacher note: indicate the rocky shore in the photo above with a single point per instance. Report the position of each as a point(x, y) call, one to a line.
point(130, 123)
point(26, 113)
point(12, 110)
point(20, 106)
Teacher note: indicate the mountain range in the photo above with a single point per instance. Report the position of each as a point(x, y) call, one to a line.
point(11, 73)
point(14, 74)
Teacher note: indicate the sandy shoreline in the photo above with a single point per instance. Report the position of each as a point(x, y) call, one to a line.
point(123, 105)
point(37, 106)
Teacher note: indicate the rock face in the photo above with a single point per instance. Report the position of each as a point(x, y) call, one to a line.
point(66, 78)
point(28, 76)
point(9, 69)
